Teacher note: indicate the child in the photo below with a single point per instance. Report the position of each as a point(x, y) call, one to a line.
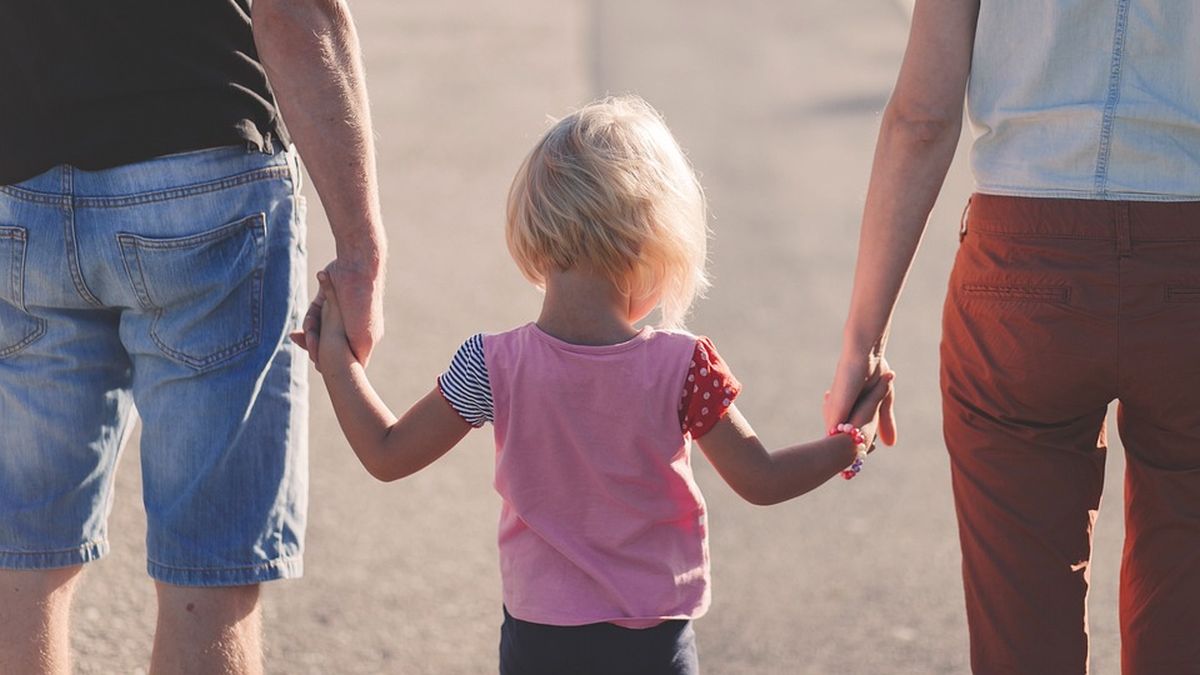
point(603, 534)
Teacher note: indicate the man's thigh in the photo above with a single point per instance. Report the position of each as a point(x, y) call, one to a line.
point(64, 391)
point(213, 270)
point(172, 283)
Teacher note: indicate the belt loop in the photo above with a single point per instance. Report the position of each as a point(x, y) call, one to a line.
point(1124, 240)
point(962, 221)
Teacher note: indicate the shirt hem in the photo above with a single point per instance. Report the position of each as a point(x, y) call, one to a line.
point(624, 621)
point(1002, 191)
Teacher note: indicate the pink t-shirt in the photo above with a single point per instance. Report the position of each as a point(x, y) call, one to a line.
point(601, 519)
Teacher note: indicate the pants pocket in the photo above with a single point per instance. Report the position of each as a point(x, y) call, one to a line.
point(1183, 294)
point(18, 329)
point(1018, 293)
point(203, 291)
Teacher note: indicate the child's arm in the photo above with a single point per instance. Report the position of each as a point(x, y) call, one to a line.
point(388, 448)
point(762, 477)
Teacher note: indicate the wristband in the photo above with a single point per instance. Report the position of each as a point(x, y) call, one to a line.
point(860, 447)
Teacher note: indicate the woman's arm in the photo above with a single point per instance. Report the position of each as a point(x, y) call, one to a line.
point(917, 139)
point(388, 448)
point(762, 477)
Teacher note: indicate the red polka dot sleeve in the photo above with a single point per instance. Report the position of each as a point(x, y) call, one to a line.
point(708, 391)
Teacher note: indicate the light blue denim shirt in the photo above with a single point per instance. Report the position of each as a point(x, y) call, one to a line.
point(1087, 99)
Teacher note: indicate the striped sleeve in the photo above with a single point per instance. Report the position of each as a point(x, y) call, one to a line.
point(465, 383)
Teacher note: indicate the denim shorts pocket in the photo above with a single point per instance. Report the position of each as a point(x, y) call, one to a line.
point(18, 329)
point(204, 291)
point(1018, 293)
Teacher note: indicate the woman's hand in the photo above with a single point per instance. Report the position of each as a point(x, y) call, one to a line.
point(873, 406)
point(857, 377)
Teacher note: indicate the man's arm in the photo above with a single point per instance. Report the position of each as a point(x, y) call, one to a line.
point(311, 54)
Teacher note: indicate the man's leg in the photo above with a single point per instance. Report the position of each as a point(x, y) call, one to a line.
point(221, 392)
point(35, 606)
point(207, 630)
point(65, 410)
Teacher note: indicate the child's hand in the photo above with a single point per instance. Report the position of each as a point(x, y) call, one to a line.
point(334, 345)
point(325, 338)
point(865, 414)
point(308, 337)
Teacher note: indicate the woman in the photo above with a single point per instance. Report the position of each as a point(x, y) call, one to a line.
point(1077, 282)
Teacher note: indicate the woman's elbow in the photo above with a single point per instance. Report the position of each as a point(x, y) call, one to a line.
point(921, 124)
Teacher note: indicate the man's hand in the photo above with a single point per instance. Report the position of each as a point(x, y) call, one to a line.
point(361, 310)
point(360, 297)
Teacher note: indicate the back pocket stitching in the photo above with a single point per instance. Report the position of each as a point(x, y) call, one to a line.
point(1060, 294)
point(16, 263)
point(134, 244)
point(16, 288)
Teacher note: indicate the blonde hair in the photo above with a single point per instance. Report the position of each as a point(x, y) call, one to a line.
point(609, 189)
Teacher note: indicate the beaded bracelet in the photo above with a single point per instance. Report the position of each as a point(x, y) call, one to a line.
point(860, 447)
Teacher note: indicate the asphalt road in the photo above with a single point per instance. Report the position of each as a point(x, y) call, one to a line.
point(777, 104)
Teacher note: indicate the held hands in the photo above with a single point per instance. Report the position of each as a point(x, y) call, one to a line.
point(361, 311)
point(855, 382)
point(324, 336)
point(867, 411)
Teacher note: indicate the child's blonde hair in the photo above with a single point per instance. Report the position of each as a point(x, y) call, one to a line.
point(609, 189)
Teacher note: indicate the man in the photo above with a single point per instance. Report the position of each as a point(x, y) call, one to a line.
point(151, 255)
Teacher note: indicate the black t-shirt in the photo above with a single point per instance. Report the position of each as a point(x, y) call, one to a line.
point(101, 83)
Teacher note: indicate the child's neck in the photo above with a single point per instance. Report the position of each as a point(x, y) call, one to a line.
point(584, 308)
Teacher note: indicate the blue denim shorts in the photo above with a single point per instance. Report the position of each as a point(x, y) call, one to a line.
point(167, 287)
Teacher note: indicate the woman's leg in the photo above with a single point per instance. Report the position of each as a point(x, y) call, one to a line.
point(1027, 373)
point(1160, 567)
point(1159, 421)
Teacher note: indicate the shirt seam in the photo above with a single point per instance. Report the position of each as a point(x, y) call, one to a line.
point(1113, 97)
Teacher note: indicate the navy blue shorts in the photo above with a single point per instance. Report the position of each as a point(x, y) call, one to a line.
point(597, 649)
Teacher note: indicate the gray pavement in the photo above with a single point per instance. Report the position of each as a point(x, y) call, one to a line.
point(777, 104)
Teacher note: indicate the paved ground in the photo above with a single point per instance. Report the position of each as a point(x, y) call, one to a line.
point(778, 105)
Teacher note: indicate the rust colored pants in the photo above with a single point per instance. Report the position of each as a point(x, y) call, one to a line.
point(1055, 308)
